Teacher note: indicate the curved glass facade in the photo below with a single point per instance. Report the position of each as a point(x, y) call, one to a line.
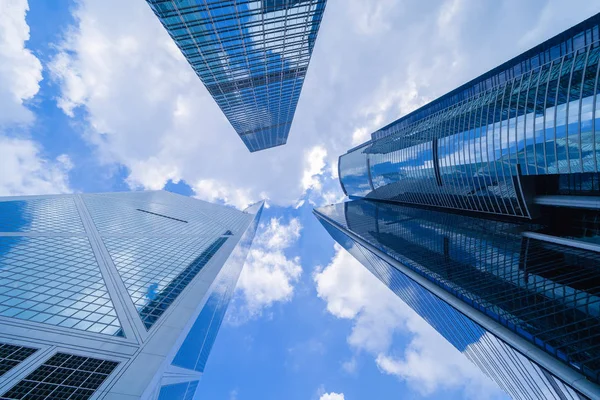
point(545, 293)
point(474, 153)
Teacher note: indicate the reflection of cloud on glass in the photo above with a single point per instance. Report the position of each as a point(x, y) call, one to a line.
point(152, 291)
point(56, 281)
point(488, 266)
point(252, 58)
point(471, 154)
point(193, 353)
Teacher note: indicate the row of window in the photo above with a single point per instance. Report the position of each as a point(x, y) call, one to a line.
point(546, 293)
point(62, 376)
point(251, 55)
point(578, 37)
point(471, 155)
point(514, 373)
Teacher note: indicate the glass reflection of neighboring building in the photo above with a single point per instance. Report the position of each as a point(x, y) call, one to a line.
point(252, 56)
point(481, 210)
point(114, 295)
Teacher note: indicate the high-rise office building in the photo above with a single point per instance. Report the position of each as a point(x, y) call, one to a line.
point(481, 210)
point(114, 295)
point(252, 56)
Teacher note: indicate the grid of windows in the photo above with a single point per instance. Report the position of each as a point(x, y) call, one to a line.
point(546, 293)
point(156, 242)
point(156, 269)
point(472, 153)
point(63, 376)
point(54, 214)
point(54, 280)
point(573, 39)
point(252, 56)
point(121, 215)
point(513, 372)
point(11, 356)
point(194, 351)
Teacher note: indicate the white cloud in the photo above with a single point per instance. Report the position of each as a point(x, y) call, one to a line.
point(23, 168)
point(419, 364)
point(20, 70)
point(277, 236)
point(373, 62)
point(428, 364)
point(314, 166)
point(268, 275)
point(332, 396)
point(24, 171)
point(319, 179)
point(212, 190)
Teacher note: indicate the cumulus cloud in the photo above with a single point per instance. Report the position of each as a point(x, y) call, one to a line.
point(319, 179)
point(419, 364)
point(428, 364)
point(212, 190)
point(269, 274)
point(332, 396)
point(146, 109)
point(20, 70)
point(314, 165)
point(23, 168)
point(24, 171)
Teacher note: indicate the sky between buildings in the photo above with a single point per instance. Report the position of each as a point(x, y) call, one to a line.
point(94, 97)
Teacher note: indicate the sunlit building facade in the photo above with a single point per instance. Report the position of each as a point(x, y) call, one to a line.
point(481, 210)
point(252, 56)
point(114, 295)
point(489, 144)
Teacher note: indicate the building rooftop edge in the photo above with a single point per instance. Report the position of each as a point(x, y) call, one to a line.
point(547, 44)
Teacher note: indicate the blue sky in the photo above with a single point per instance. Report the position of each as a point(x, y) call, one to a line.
point(94, 96)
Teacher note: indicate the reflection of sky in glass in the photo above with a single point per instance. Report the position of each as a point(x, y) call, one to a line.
point(56, 281)
point(355, 173)
point(514, 373)
point(252, 55)
point(40, 215)
point(156, 270)
point(196, 347)
point(470, 154)
point(51, 279)
point(158, 242)
point(490, 267)
point(178, 391)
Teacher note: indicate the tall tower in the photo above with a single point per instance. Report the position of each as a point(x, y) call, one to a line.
point(114, 295)
point(252, 56)
point(481, 210)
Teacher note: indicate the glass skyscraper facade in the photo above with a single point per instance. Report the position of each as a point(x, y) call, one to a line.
point(481, 147)
point(252, 56)
point(114, 295)
point(481, 210)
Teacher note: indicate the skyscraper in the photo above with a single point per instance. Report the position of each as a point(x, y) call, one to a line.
point(252, 56)
point(115, 295)
point(481, 210)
